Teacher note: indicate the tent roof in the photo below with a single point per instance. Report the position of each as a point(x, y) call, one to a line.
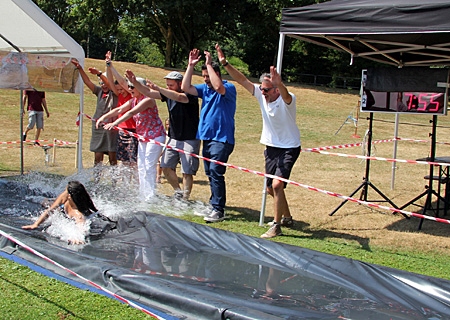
point(396, 32)
point(25, 28)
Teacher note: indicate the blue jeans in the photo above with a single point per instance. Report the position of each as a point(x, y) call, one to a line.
point(219, 151)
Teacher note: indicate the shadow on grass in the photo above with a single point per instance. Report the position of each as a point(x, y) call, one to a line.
point(430, 227)
point(246, 214)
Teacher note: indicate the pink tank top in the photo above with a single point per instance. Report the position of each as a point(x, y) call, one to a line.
point(148, 122)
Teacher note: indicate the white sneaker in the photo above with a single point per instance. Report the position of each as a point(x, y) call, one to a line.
point(203, 213)
point(274, 231)
point(215, 216)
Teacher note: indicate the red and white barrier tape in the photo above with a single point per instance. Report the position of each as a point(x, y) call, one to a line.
point(316, 150)
point(334, 194)
point(369, 204)
point(382, 159)
point(37, 146)
point(427, 141)
point(40, 255)
point(16, 146)
point(58, 142)
point(14, 142)
point(350, 145)
point(61, 142)
point(344, 146)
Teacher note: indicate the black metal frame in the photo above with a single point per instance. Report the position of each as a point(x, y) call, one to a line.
point(364, 186)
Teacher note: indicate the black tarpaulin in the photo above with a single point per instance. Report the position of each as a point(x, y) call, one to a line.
point(396, 32)
point(194, 271)
point(188, 270)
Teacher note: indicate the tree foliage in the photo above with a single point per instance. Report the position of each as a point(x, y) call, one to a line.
point(162, 32)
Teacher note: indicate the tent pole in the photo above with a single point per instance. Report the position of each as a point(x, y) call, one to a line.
point(21, 132)
point(80, 128)
point(263, 203)
point(394, 156)
point(280, 52)
point(264, 191)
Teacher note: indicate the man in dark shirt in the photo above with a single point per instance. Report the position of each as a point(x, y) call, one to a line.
point(35, 103)
point(183, 124)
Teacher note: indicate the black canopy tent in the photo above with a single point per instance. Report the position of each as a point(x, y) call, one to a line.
point(400, 33)
point(395, 32)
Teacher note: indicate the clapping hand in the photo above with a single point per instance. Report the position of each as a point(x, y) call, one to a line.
point(108, 57)
point(93, 70)
point(194, 57)
point(275, 76)
point(208, 58)
point(220, 54)
point(130, 76)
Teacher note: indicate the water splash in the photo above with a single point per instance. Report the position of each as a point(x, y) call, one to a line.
point(114, 191)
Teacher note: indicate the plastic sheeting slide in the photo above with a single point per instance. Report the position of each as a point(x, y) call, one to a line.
point(192, 271)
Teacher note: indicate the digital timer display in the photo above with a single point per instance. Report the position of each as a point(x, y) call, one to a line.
point(409, 90)
point(404, 102)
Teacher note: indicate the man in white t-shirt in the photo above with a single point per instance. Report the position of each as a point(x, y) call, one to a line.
point(280, 134)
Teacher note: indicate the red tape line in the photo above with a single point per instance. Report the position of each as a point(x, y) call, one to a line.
point(40, 255)
point(333, 194)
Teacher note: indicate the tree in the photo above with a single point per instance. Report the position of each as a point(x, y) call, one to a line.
point(92, 23)
point(258, 33)
point(179, 26)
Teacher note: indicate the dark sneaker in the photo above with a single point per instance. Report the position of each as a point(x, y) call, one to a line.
point(274, 231)
point(24, 137)
point(178, 195)
point(36, 143)
point(215, 216)
point(285, 222)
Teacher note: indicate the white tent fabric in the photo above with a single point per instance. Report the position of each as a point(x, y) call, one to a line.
point(32, 47)
point(29, 29)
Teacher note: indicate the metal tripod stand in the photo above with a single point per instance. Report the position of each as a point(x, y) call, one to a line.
point(364, 186)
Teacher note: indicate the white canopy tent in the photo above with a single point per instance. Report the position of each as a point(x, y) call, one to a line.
point(32, 46)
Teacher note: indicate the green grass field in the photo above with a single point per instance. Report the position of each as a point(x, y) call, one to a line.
point(356, 231)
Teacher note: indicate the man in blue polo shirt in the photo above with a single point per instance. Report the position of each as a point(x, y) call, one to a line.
point(216, 127)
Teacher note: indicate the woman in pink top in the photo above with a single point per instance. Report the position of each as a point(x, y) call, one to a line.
point(148, 126)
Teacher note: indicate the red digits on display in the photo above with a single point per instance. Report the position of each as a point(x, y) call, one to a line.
point(436, 103)
point(420, 103)
point(410, 100)
point(423, 102)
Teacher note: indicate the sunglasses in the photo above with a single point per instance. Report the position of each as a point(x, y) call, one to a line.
point(131, 87)
point(266, 89)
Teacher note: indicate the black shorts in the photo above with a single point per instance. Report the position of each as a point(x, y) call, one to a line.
point(280, 161)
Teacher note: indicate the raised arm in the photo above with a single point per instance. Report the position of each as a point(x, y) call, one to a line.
point(114, 73)
point(276, 81)
point(171, 94)
point(100, 75)
point(109, 74)
point(186, 85)
point(216, 81)
point(146, 91)
point(233, 72)
point(84, 76)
